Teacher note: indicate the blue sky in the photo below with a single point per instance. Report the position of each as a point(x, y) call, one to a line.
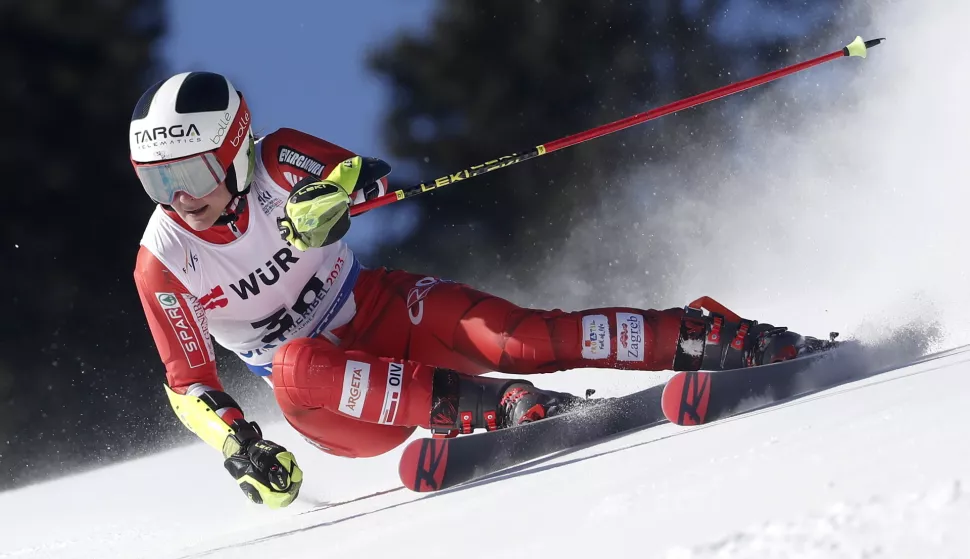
point(302, 64)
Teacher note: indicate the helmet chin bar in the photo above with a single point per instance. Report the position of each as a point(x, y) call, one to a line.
point(227, 218)
point(238, 205)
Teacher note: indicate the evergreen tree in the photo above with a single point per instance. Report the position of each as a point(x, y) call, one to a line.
point(73, 337)
point(493, 76)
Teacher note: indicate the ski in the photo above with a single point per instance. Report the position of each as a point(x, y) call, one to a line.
point(434, 464)
point(696, 398)
point(699, 397)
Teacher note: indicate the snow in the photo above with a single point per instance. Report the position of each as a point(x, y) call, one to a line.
point(871, 469)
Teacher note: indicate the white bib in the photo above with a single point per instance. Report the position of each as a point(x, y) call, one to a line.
point(257, 291)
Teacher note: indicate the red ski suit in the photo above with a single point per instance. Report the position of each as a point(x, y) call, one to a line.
point(408, 324)
point(361, 389)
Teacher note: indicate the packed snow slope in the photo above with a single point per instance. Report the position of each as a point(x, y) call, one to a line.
point(869, 469)
point(853, 219)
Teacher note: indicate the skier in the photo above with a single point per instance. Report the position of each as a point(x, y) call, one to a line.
point(245, 247)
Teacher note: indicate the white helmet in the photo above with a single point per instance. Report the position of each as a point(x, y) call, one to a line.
point(190, 133)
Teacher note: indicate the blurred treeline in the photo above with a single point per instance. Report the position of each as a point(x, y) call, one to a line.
point(79, 375)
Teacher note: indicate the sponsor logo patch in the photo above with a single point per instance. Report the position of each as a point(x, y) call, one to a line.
point(596, 337)
point(268, 202)
point(224, 122)
point(416, 298)
point(241, 130)
point(293, 158)
point(629, 337)
point(279, 326)
point(266, 275)
point(203, 328)
point(161, 135)
point(167, 300)
point(392, 394)
point(354, 393)
point(184, 329)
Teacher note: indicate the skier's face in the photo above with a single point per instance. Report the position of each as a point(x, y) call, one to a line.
point(201, 213)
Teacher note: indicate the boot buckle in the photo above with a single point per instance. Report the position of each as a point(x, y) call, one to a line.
point(466, 422)
point(490, 420)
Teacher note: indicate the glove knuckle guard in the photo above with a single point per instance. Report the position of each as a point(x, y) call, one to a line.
point(311, 191)
point(316, 214)
point(266, 472)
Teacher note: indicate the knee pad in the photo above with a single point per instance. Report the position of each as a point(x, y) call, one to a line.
point(303, 373)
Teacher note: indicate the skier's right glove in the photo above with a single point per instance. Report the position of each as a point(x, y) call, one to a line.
point(317, 212)
point(265, 471)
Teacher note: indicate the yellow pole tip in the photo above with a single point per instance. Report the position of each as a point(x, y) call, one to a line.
point(856, 48)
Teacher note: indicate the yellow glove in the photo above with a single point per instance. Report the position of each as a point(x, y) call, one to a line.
point(317, 212)
point(265, 471)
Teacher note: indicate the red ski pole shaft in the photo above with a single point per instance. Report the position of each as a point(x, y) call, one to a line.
point(856, 48)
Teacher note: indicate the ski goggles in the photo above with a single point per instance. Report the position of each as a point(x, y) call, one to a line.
point(196, 175)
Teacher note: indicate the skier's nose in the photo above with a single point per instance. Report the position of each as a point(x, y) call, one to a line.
point(184, 197)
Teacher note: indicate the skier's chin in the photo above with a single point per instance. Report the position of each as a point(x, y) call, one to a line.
point(199, 219)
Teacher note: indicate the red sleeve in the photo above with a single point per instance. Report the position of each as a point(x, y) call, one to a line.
point(290, 156)
point(178, 324)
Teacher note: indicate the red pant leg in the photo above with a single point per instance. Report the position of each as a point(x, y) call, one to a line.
point(452, 325)
point(348, 402)
point(345, 399)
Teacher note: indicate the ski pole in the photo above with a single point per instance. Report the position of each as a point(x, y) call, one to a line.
point(856, 48)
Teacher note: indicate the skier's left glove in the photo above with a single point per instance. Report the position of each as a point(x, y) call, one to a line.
point(266, 472)
point(317, 212)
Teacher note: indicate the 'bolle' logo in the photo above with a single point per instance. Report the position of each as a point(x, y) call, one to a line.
point(223, 123)
point(241, 131)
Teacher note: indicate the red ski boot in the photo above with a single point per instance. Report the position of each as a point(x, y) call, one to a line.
point(721, 340)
